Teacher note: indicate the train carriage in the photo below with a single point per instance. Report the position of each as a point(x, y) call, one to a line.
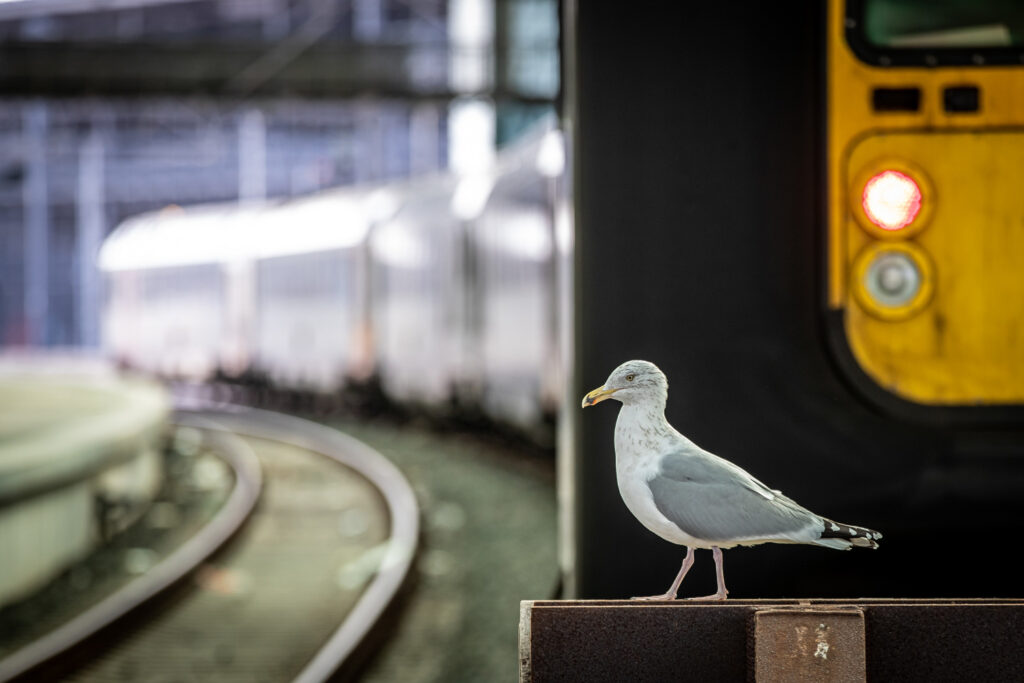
point(416, 271)
point(168, 294)
point(439, 288)
point(516, 250)
point(308, 309)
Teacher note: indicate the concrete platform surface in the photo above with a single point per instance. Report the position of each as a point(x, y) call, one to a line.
point(59, 428)
point(73, 435)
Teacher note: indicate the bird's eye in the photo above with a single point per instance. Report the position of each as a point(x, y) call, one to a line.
point(629, 378)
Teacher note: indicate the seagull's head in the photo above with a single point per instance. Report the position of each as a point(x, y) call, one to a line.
point(635, 381)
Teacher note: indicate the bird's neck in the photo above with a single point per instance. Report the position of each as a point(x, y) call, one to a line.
point(641, 428)
point(651, 413)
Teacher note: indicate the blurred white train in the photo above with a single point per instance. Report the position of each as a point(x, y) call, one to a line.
point(441, 292)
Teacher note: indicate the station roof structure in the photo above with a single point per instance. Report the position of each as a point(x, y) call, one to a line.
point(322, 48)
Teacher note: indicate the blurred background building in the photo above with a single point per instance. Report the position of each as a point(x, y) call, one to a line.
point(113, 109)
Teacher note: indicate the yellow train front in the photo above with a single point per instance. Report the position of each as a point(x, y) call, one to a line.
point(925, 202)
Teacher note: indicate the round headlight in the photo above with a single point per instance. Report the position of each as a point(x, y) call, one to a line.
point(892, 199)
point(893, 281)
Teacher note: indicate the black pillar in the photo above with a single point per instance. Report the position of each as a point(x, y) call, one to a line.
point(699, 132)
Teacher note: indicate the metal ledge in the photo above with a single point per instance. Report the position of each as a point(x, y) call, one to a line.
point(769, 640)
point(240, 69)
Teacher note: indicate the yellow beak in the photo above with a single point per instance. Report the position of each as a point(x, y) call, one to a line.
point(597, 395)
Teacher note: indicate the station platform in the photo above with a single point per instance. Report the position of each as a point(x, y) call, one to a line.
point(74, 435)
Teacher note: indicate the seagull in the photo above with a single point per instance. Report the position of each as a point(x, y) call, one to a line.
point(694, 498)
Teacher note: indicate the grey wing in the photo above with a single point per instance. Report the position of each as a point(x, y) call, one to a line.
point(711, 499)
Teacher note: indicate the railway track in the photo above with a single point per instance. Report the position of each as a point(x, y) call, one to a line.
point(284, 583)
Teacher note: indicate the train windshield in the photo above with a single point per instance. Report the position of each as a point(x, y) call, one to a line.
point(954, 24)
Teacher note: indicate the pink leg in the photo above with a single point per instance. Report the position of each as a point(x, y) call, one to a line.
point(722, 593)
point(674, 588)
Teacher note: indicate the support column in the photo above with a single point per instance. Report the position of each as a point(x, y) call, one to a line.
point(36, 221)
point(252, 156)
point(90, 219)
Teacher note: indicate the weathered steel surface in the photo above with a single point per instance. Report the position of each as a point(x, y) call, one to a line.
point(904, 640)
point(579, 641)
point(809, 644)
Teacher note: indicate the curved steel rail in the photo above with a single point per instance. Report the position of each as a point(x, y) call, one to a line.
point(233, 514)
point(397, 493)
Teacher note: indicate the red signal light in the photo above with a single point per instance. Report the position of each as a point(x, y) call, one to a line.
point(891, 200)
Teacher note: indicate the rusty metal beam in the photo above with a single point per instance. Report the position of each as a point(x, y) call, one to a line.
point(877, 639)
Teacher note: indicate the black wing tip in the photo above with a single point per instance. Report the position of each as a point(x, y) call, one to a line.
point(856, 535)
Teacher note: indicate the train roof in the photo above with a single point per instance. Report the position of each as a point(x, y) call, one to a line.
point(222, 233)
point(339, 218)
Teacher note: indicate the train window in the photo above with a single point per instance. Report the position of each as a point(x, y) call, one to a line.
point(967, 32)
point(957, 23)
